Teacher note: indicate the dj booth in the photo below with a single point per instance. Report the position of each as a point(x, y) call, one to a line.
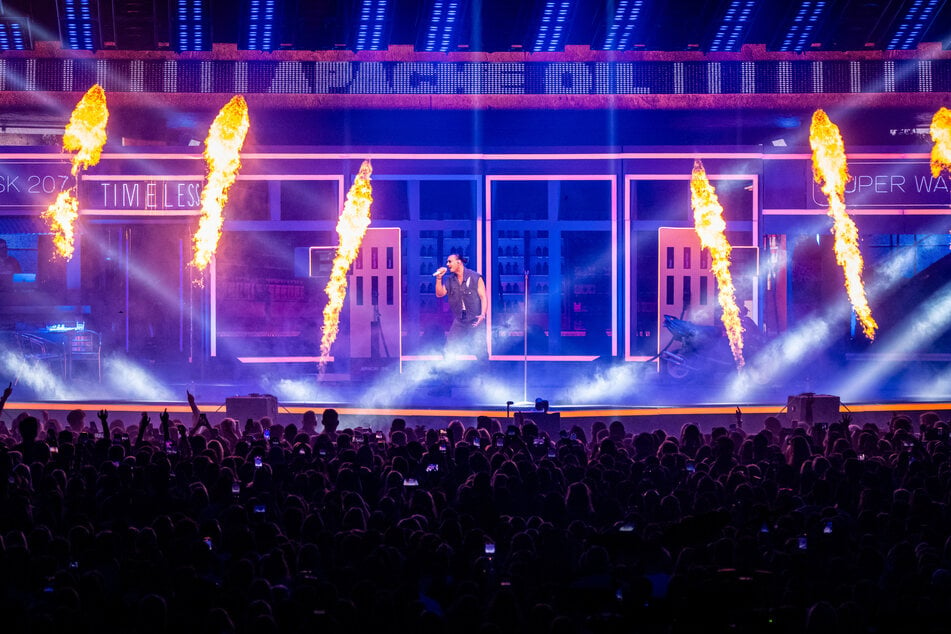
point(53, 335)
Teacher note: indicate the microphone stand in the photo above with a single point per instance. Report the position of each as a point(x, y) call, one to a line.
point(525, 338)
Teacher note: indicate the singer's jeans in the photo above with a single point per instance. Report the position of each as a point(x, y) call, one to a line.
point(466, 339)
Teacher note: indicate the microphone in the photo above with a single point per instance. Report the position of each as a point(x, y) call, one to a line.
point(440, 271)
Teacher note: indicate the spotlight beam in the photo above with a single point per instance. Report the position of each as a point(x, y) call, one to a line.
point(918, 330)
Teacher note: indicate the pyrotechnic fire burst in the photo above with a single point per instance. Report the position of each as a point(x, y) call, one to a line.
point(86, 132)
point(710, 227)
point(351, 227)
point(223, 158)
point(941, 135)
point(85, 135)
point(61, 216)
point(831, 172)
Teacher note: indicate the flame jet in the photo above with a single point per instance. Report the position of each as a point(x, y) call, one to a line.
point(351, 227)
point(710, 227)
point(941, 135)
point(831, 173)
point(61, 216)
point(941, 150)
point(85, 135)
point(223, 158)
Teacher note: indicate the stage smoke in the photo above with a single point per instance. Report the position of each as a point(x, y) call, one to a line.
point(612, 386)
point(131, 381)
point(927, 322)
point(36, 376)
point(301, 391)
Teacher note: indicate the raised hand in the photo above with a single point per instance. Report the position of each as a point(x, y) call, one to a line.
point(166, 419)
point(191, 402)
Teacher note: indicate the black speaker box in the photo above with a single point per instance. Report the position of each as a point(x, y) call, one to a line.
point(549, 423)
point(255, 406)
point(812, 408)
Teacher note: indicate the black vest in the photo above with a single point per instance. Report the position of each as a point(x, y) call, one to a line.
point(464, 296)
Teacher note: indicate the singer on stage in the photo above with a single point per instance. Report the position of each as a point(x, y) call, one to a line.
point(466, 291)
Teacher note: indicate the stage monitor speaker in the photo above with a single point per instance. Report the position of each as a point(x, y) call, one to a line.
point(546, 422)
point(255, 406)
point(813, 408)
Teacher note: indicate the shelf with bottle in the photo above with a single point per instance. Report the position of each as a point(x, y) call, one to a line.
point(510, 269)
point(436, 245)
point(539, 267)
point(428, 252)
point(509, 251)
point(537, 246)
point(510, 243)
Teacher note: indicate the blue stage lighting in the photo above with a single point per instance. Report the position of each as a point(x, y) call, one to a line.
point(262, 25)
point(442, 30)
point(15, 34)
point(801, 31)
point(734, 26)
point(372, 28)
point(626, 21)
point(79, 27)
point(553, 24)
point(911, 28)
point(191, 25)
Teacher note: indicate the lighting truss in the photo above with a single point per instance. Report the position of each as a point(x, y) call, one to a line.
point(733, 27)
point(624, 25)
point(802, 29)
point(191, 25)
point(15, 34)
point(553, 24)
point(261, 25)
point(444, 23)
point(912, 26)
point(372, 25)
point(78, 25)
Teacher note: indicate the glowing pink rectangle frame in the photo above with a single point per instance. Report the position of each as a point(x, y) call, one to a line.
point(628, 179)
point(612, 178)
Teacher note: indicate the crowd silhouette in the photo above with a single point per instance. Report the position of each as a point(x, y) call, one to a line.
point(155, 525)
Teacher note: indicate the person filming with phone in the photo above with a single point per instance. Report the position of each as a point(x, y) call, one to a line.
point(465, 289)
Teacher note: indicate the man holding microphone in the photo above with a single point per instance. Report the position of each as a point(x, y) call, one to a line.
point(466, 291)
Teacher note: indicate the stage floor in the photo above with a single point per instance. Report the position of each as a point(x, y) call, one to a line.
point(432, 393)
